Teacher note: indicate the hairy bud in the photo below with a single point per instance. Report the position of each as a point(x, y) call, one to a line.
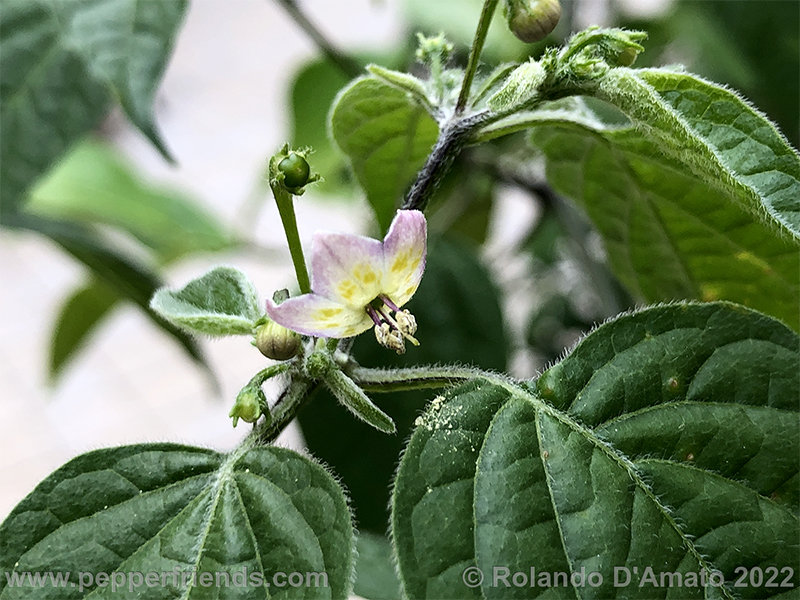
point(249, 406)
point(532, 20)
point(276, 342)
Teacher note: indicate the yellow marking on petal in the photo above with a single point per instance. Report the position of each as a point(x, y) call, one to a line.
point(327, 314)
point(364, 273)
point(346, 289)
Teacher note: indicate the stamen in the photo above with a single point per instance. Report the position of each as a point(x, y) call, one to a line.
point(406, 322)
point(389, 338)
point(374, 316)
point(388, 302)
point(398, 328)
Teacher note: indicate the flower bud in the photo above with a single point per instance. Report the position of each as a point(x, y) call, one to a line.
point(295, 169)
point(276, 342)
point(532, 20)
point(249, 406)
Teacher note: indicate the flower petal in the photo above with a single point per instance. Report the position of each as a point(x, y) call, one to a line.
point(311, 314)
point(346, 268)
point(404, 250)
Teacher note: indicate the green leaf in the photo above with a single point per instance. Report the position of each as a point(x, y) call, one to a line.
point(387, 137)
point(668, 234)
point(62, 62)
point(404, 81)
point(129, 279)
point(160, 507)
point(221, 302)
point(663, 440)
point(459, 321)
point(80, 315)
point(711, 130)
point(93, 184)
point(313, 90)
point(357, 402)
point(375, 576)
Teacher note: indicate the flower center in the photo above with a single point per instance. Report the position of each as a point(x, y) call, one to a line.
point(392, 331)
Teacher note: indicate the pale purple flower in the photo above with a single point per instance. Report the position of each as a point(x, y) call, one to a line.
point(358, 282)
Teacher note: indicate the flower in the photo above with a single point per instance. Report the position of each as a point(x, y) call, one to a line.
point(358, 282)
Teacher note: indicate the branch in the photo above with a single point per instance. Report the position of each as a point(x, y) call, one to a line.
point(346, 64)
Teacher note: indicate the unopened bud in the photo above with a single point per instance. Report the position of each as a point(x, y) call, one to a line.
point(295, 169)
point(249, 406)
point(532, 20)
point(276, 342)
point(435, 48)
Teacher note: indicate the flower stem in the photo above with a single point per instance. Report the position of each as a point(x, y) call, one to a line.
point(346, 64)
point(489, 7)
point(285, 204)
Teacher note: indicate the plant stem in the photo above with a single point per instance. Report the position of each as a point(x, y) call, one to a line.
point(452, 138)
point(414, 378)
point(489, 7)
point(285, 204)
point(291, 401)
point(343, 62)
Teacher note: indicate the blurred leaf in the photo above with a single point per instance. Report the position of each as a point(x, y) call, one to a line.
point(80, 315)
point(463, 202)
point(127, 278)
point(93, 185)
point(375, 576)
point(387, 137)
point(61, 63)
point(221, 302)
point(313, 91)
point(459, 321)
point(155, 508)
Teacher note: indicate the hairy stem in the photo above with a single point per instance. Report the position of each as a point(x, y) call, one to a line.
point(293, 398)
point(343, 62)
point(489, 7)
point(452, 139)
point(414, 378)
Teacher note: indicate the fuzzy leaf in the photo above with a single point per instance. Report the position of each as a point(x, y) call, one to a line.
point(668, 234)
point(159, 507)
point(665, 439)
point(387, 136)
point(721, 138)
point(221, 302)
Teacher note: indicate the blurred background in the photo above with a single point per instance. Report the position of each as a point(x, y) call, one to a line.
point(520, 274)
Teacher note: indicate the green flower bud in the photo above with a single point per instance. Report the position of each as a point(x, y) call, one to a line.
point(295, 169)
point(433, 49)
point(532, 20)
point(249, 406)
point(276, 342)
